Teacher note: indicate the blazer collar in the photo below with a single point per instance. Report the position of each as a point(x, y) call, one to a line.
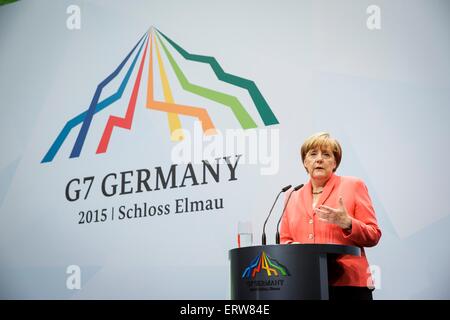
point(329, 187)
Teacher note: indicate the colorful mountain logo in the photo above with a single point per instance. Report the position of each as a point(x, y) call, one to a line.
point(147, 48)
point(264, 262)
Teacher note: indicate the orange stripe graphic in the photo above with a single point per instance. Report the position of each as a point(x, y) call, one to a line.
point(200, 113)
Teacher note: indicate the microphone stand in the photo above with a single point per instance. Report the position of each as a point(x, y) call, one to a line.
point(277, 237)
point(263, 240)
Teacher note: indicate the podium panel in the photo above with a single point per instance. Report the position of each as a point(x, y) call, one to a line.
point(283, 272)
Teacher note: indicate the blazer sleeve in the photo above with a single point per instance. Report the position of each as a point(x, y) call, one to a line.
point(365, 231)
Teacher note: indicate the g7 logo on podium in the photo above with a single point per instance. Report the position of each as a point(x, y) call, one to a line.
point(267, 263)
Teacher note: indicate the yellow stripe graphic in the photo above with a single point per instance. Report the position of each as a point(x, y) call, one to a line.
point(174, 120)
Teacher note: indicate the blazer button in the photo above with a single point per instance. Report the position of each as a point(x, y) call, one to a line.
point(310, 236)
point(311, 221)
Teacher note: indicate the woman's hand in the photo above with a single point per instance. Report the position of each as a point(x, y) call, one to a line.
point(337, 216)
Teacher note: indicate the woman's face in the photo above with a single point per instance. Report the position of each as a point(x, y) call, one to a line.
point(319, 163)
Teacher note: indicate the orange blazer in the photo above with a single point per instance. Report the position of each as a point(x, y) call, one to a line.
point(300, 224)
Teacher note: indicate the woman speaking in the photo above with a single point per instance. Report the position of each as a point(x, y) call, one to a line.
point(332, 209)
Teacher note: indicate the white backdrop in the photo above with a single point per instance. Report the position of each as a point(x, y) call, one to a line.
point(384, 94)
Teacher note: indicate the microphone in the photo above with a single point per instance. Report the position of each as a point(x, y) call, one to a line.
point(263, 240)
point(277, 237)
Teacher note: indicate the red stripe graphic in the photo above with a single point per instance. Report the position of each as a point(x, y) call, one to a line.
point(125, 122)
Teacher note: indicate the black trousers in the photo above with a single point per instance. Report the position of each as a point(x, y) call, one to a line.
point(349, 293)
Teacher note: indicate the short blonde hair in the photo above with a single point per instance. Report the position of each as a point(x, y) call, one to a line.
point(322, 141)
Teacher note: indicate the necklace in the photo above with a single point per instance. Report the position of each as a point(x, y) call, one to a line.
point(318, 192)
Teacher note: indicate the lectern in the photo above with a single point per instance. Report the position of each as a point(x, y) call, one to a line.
point(286, 272)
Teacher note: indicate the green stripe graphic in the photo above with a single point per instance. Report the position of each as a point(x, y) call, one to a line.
point(263, 108)
point(239, 111)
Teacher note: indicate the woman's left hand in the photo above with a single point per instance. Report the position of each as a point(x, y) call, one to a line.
point(337, 216)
